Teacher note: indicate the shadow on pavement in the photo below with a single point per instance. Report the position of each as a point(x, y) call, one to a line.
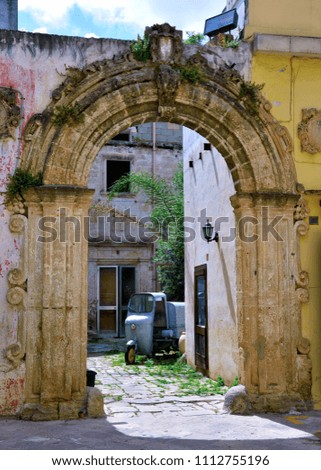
point(99, 434)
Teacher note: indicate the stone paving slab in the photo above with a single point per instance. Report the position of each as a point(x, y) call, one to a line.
point(191, 423)
point(149, 411)
point(138, 393)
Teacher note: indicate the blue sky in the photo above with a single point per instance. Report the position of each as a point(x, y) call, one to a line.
point(120, 19)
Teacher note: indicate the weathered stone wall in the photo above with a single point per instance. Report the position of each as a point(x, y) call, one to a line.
point(208, 186)
point(32, 65)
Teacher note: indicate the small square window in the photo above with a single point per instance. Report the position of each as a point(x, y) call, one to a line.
point(313, 220)
point(115, 169)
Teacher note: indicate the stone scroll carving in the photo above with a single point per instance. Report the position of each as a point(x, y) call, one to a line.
point(17, 292)
point(10, 113)
point(301, 228)
point(309, 130)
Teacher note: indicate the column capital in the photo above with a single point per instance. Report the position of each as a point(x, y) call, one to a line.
point(274, 199)
point(57, 193)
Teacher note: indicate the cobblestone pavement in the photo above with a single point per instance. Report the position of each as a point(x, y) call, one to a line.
point(142, 414)
point(138, 407)
point(130, 393)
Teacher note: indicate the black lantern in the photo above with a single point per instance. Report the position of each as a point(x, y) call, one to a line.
point(208, 230)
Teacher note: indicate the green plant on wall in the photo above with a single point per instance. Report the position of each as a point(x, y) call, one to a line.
point(250, 95)
point(67, 114)
point(191, 73)
point(226, 41)
point(194, 38)
point(141, 48)
point(19, 182)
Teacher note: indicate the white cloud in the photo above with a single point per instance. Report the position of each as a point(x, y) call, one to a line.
point(42, 30)
point(188, 15)
point(91, 35)
point(46, 12)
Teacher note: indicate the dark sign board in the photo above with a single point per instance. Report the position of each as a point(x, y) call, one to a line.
point(221, 23)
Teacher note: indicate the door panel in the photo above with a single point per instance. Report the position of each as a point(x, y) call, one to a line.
point(107, 306)
point(126, 289)
point(107, 320)
point(115, 286)
point(107, 287)
point(200, 308)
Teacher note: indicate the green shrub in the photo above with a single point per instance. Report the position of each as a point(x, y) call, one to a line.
point(141, 48)
point(194, 38)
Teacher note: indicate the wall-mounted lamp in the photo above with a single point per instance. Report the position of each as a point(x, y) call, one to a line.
point(208, 230)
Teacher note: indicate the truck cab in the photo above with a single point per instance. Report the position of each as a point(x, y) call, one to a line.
point(152, 324)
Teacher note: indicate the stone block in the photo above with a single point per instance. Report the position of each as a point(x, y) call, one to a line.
point(95, 403)
point(71, 410)
point(237, 401)
point(37, 412)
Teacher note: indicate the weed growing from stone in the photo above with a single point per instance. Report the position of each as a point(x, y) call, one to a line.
point(19, 182)
point(67, 115)
point(191, 73)
point(170, 371)
point(250, 96)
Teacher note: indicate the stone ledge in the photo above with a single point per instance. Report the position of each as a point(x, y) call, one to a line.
point(294, 45)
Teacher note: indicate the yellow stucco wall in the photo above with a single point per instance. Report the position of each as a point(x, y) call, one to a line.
point(291, 84)
point(287, 17)
point(311, 312)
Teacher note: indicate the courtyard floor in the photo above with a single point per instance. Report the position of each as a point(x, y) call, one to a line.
point(144, 411)
point(139, 405)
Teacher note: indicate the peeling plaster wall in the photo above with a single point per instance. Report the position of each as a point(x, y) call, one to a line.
point(34, 65)
point(208, 186)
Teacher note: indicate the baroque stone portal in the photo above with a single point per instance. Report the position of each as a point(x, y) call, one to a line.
point(113, 95)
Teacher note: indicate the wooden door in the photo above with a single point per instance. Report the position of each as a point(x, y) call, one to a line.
point(200, 304)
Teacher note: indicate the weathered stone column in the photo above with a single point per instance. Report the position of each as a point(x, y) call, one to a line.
point(56, 342)
point(268, 302)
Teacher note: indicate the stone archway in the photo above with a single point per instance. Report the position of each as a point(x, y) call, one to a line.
point(88, 109)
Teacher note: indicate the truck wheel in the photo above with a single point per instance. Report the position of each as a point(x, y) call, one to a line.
point(130, 355)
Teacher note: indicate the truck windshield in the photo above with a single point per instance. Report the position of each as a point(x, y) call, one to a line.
point(141, 303)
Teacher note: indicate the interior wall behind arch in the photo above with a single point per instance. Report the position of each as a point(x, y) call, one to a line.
point(208, 186)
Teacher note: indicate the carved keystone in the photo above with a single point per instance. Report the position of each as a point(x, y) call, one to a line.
point(167, 81)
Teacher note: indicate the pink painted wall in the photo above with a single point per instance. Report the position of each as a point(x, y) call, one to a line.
point(34, 65)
